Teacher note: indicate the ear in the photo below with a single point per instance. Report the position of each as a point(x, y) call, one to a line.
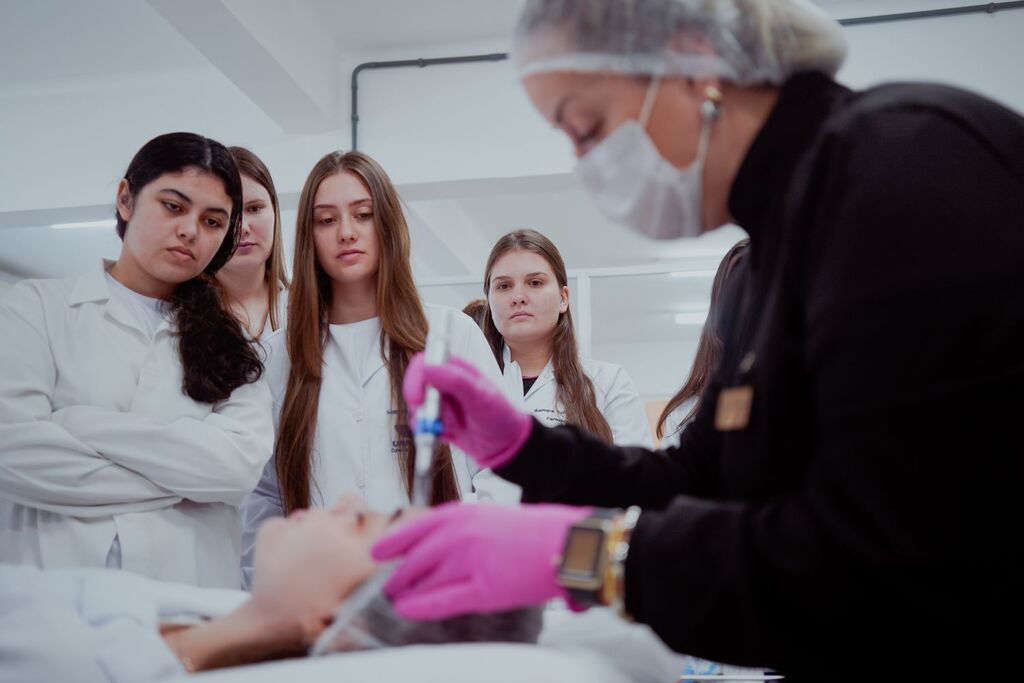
point(692, 88)
point(124, 201)
point(564, 305)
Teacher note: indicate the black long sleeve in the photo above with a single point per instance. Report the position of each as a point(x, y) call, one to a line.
point(866, 522)
point(589, 471)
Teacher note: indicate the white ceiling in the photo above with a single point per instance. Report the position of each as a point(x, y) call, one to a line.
point(64, 41)
point(60, 43)
point(390, 24)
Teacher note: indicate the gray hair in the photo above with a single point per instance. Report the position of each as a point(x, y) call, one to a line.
point(378, 626)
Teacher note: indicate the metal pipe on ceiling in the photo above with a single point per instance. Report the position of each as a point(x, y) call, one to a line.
point(987, 8)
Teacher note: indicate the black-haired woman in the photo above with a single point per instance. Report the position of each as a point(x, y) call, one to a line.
point(132, 418)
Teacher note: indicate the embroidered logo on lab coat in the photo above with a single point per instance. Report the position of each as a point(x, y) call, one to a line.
point(402, 441)
point(550, 415)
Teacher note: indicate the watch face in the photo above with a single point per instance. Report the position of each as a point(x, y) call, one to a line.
point(582, 553)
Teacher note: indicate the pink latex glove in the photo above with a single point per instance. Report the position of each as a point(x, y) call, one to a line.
point(476, 416)
point(469, 558)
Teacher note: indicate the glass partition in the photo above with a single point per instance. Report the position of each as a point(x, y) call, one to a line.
point(649, 324)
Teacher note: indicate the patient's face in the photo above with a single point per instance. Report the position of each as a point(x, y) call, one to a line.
point(309, 562)
point(313, 559)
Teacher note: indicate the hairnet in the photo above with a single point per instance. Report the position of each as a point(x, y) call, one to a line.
point(746, 42)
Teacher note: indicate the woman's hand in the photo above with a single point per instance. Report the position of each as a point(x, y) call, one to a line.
point(471, 558)
point(475, 415)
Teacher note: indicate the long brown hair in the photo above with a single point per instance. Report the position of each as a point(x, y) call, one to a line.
point(709, 347)
point(403, 332)
point(251, 165)
point(574, 388)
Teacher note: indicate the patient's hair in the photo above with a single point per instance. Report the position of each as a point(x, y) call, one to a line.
point(378, 626)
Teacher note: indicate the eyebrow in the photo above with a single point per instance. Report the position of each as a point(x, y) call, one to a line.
point(188, 200)
point(181, 195)
point(335, 206)
point(509, 277)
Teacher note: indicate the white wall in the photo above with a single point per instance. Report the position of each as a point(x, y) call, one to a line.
point(455, 122)
point(980, 52)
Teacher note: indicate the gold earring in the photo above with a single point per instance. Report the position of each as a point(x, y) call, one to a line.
point(711, 107)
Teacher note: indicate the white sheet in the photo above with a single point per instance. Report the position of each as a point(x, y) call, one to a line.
point(593, 647)
point(470, 663)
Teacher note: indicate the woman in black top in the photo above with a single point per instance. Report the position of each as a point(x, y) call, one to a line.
point(845, 503)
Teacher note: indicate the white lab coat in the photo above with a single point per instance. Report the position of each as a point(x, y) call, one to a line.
point(354, 448)
point(617, 399)
point(98, 440)
point(96, 625)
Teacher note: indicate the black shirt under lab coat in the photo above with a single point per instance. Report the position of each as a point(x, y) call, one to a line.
point(867, 521)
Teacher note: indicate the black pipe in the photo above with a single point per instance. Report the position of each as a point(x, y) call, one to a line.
point(493, 57)
point(988, 8)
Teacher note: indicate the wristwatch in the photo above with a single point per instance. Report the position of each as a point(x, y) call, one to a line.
point(592, 566)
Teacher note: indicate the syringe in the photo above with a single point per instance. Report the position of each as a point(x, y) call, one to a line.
point(427, 426)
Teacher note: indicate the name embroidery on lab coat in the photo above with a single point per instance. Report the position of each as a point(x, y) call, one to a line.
point(403, 438)
point(554, 415)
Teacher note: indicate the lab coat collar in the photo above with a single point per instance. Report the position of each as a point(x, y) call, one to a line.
point(514, 373)
point(372, 363)
point(375, 360)
point(92, 286)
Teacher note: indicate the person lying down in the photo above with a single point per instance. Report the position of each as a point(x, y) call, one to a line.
point(377, 625)
point(108, 625)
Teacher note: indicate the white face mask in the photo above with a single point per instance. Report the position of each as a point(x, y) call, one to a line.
point(632, 184)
